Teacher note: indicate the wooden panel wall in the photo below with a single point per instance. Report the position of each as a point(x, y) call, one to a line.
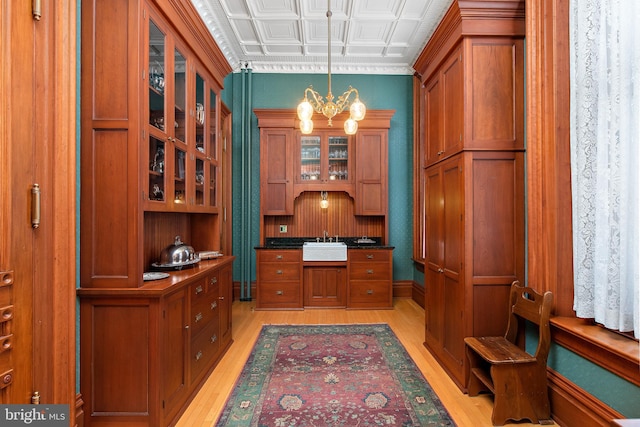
point(309, 220)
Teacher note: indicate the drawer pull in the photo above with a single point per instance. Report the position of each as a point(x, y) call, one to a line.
point(369, 271)
point(213, 280)
point(199, 289)
point(214, 305)
point(199, 317)
point(279, 293)
point(278, 271)
point(278, 256)
point(369, 291)
point(6, 343)
point(198, 355)
point(214, 338)
point(369, 256)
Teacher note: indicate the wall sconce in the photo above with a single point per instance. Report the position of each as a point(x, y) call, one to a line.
point(324, 203)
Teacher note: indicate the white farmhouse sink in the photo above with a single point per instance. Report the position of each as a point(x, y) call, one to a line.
point(324, 251)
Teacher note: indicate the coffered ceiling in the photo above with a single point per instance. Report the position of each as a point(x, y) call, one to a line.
point(290, 36)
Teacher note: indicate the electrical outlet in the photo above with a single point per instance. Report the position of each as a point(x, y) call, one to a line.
point(283, 228)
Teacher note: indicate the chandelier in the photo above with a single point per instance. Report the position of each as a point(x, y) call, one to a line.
point(313, 101)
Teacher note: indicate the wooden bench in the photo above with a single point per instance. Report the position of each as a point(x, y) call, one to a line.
point(498, 365)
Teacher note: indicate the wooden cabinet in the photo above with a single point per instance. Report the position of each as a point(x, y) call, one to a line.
point(370, 278)
point(353, 170)
point(324, 162)
point(475, 250)
point(279, 279)
point(154, 345)
point(372, 173)
point(325, 286)
point(276, 171)
point(472, 153)
point(151, 169)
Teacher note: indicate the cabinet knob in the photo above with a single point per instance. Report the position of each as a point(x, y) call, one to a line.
point(278, 271)
point(440, 270)
point(369, 256)
point(440, 153)
point(199, 289)
point(278, 256)
point(369, 291)
point(221, 298)
point(279, 293)
point(198, 355)
point(214, 338)
point(186, 326)
point(198, 317)
point(213, 280)
point(369, 271)
point(214, 305)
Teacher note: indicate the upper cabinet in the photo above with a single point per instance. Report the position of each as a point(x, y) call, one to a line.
point(472, 74)
point(327, 160)
point(150, 123)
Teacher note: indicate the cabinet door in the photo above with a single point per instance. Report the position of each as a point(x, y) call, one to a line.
point(324, 162)
point(174, 365)
point(325, 286)
point(453, 244)
point(276, 161)
point(433, 120)
point(434, 302)
point(453, 103)
point(371, 173)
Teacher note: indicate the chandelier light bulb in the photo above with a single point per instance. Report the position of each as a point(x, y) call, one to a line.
point(358, 110)
point(306, 126)
point(350, 126)
point(305, 110)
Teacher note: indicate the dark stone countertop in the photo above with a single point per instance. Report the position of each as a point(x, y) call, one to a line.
point(297, 242)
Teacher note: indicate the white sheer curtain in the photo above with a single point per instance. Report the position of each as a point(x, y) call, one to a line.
point(605, 135)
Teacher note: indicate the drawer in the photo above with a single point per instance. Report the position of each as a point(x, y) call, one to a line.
point(203, 350)
point(369, 271)
point(202, 313)
point(370, 294)
point(291, 255)
point(278, 271)
point(279, 295)
point(203, 287)
point(369, 255)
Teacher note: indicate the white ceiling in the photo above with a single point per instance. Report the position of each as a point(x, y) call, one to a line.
point(290, 36)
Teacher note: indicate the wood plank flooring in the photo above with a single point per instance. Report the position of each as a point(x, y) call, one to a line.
point(406, 320)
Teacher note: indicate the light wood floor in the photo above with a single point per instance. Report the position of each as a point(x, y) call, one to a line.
point(406, 320)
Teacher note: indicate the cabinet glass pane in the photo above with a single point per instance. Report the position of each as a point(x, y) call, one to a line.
point(156, 76)
point(180, 91)
point(156, 170)
point(200, 114)
point(179, 176)
point(213, 153)
point(199, 178)
point(338, 158)
point(310, 158)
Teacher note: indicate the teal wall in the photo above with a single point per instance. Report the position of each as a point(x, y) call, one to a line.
point(378, 93)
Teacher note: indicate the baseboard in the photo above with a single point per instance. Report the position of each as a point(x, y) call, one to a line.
point(573, 406)
point(403, 289)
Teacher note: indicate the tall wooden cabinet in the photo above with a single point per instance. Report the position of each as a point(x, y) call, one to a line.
point(151, 169)
point(472, 145)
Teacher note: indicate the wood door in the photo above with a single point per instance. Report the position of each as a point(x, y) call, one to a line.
point(371, 172)
point(325, 286)
point(37, 146)
point(276, 183)
point(434, 302)
point(453, 103)
point(433, 120)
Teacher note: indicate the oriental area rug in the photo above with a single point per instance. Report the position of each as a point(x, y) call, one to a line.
point(331, 375)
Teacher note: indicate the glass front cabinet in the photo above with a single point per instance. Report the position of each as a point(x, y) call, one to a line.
point(182, 160)
point(324, 162)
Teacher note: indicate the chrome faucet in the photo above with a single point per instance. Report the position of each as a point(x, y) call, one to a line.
point(325, 235)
